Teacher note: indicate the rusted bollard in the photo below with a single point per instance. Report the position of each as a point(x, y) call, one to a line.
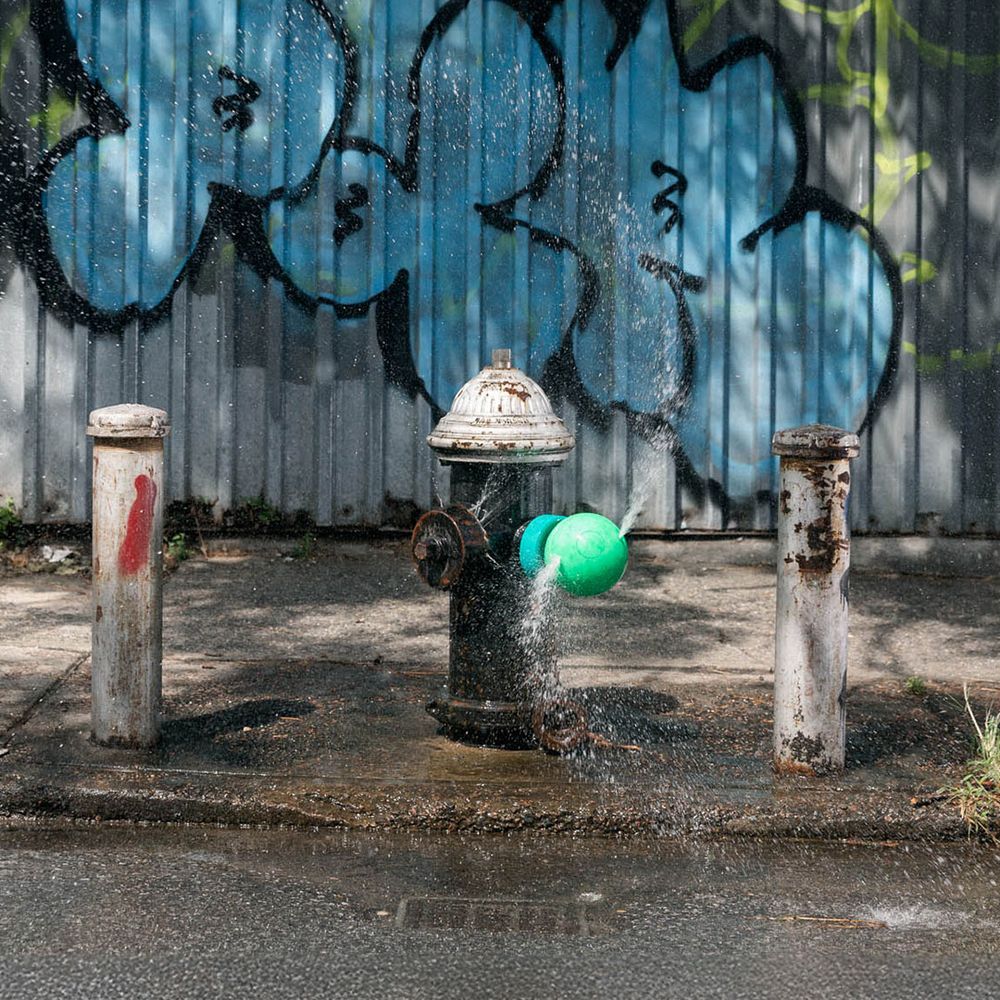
point(814, 554)
point(126, 640)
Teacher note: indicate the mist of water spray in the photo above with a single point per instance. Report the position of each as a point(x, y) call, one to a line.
point(652, 329)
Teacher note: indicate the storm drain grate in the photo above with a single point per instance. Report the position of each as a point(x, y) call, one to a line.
point(526, 915)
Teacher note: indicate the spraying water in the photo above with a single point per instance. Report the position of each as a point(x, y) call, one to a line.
point(647, 309)
point(491, 489)
point(647, 468)
point(537, 631)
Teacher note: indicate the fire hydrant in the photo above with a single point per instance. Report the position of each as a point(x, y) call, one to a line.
point(502, 440)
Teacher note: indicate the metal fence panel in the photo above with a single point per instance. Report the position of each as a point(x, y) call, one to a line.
point(300, 225)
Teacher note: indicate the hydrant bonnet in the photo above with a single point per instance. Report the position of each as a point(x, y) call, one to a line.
point(501, 416)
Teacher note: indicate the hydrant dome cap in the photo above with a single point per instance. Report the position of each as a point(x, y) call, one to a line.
point(501, 415)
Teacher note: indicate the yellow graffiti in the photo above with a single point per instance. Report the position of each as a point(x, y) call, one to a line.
point(15, 28)
point(870, 90)
point(701, 23)
point(914, 268)
point(59, 108)
point(958, 357)
point(54, 116)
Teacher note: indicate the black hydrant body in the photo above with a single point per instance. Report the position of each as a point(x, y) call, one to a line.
point(501, 440)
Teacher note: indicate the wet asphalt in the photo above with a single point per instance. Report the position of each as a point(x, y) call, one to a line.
point(158, 912)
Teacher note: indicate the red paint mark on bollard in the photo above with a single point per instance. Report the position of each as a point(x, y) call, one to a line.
point(134, 553)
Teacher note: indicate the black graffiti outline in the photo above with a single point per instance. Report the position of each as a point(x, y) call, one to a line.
point(241, 217)
point(663, 200)
point(236, 105)
point(802, 198)
point(349, 221)
point(231, 212)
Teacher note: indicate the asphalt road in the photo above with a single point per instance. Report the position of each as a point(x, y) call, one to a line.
point(147, 912)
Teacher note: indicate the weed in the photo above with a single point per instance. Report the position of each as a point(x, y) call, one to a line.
point(11, 527)
point(264, 513)
point(916, 686)
point(306, 547)
point(177, 547)
point(254, 514)
point(977, 794)
point(191, 514)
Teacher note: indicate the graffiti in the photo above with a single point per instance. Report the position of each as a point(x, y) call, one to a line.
point(870, 89)
point(961, 359)
point(650, 282)
point(134, 552)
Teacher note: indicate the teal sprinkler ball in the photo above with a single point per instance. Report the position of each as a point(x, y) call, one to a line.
point(592, 554)
point(532, 548)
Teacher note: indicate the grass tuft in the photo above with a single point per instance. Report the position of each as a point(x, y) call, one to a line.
point(977, 794)
point(12, 532)
point(177, 547)
point(306, 547)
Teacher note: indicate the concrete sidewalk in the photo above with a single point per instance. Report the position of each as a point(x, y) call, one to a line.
point(295, 692)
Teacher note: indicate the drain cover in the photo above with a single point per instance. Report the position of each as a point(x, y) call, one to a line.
point(525, 915)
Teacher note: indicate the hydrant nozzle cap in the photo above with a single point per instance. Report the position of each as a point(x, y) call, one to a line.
point(128, 420)
point(501, 416)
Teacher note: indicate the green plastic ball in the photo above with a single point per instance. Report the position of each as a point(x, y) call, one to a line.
point(531, 550)
point(592, 555)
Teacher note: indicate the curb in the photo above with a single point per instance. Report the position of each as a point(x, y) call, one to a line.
point(130, 796)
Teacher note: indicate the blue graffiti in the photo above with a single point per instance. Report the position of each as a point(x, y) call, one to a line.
point(789, 327)
point(716, 317)
point(678, 268)
point(247, 100)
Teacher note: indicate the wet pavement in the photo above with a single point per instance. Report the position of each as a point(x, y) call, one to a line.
point(295, 692)
point(189, 913)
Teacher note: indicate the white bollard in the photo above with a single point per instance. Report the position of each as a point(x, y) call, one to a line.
point(127, 636)
point(814, 556)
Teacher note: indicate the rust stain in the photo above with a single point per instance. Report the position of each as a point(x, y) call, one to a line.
point(813, 472)
point(782, 766)
point(805, 755)
point(510, 387)
point(825, 545)
point(515, 390)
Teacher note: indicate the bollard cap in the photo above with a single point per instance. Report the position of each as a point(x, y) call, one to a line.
point(128, 420)
point(819, 441)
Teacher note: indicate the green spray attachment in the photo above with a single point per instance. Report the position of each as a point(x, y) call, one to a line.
point(592, 553)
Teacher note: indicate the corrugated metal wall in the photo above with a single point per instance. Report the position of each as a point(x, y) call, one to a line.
point(300, 225)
